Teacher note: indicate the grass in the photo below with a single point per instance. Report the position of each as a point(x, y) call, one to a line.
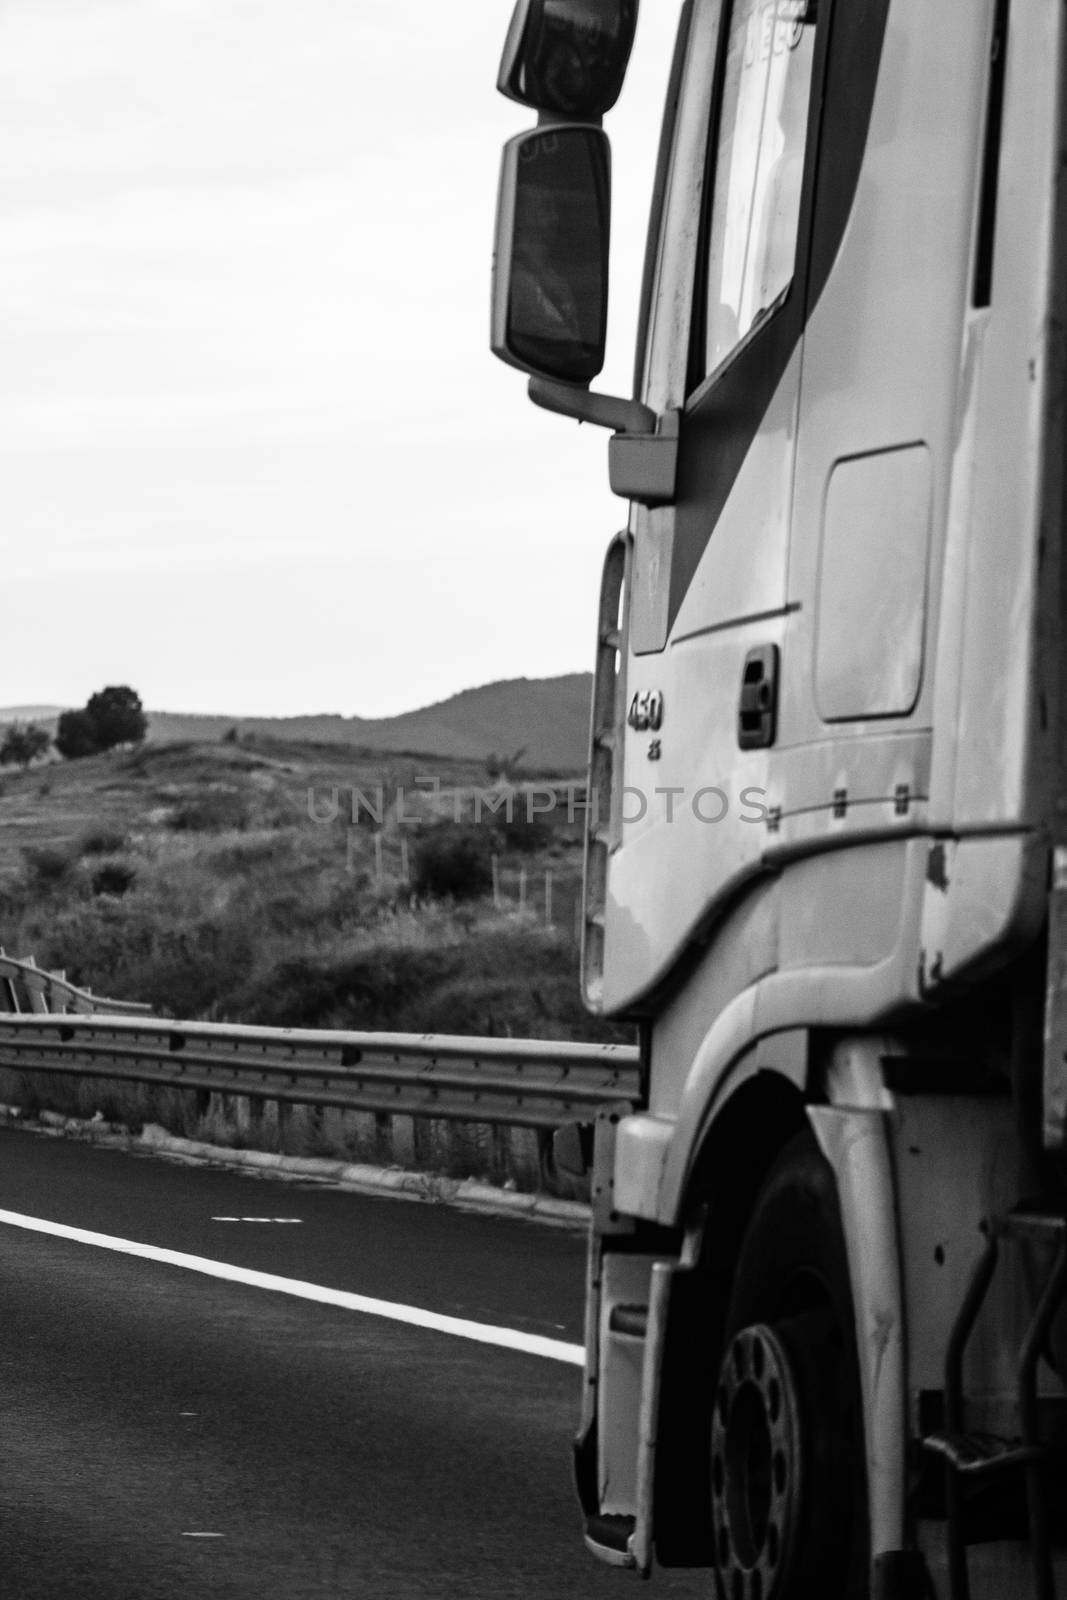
point(192, 877)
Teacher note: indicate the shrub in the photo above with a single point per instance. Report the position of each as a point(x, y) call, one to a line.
point(452, 862)
point(102, 842)
point(523, 833)
point(249, 856)
point(114, 877)
point(47, 866)
point(492, 982)
point(23, 743)
point(126, 945)
point(216, 811)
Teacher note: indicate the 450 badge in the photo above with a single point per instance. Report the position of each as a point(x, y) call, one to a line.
point(646, 714)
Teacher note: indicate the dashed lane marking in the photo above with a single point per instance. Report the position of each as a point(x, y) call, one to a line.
point(287, 1220)
point(531, 1344)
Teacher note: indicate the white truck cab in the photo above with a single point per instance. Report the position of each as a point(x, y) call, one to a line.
point(827, 856)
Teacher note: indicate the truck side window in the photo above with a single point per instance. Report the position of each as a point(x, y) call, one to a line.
point(758, 167)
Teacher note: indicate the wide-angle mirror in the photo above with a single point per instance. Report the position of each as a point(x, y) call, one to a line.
point(568, 57)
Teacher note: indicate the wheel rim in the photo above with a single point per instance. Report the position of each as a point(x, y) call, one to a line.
point(756, 1465)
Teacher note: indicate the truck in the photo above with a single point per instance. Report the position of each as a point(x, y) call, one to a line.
point(826, 862)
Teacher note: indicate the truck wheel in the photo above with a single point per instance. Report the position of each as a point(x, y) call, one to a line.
point(789, 1493)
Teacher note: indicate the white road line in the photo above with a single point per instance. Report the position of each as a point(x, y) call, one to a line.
point(531, 1344)
point(287, 1220)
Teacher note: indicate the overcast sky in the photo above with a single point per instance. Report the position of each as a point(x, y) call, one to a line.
point(255, 456)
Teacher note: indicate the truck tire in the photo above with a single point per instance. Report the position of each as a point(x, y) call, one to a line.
point(789, 1493)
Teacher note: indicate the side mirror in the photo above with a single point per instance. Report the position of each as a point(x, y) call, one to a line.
point(568, 57)
point(550, 273)
point(550, 298)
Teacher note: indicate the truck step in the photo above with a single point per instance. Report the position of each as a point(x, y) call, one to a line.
point(971, 1457)
point(980, 1454)
point(610, 1537)
point(1031, 1220)
point(631, 1321)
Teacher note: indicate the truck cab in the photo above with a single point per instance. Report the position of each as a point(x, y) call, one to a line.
point(826, 859)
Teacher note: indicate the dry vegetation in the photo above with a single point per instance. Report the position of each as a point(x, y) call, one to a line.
point(192, 877)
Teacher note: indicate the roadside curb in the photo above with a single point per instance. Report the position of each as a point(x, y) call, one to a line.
point(397, 1183)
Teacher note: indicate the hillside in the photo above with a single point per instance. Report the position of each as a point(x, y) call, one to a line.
point(43, 714)
point(214, 880)
point(546, 718)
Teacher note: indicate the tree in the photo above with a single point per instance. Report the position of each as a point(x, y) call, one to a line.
point(23, 743)
point(76, 735)
point(111, 716)
point(117, 716)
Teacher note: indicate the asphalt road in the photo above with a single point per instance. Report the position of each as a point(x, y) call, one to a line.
point(166, 1435)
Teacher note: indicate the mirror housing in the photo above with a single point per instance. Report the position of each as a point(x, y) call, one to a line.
point(644, 466)
point(568, 57)
point(550, 272)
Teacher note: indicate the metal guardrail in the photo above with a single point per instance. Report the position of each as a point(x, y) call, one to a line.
point(518, 1082)
point(24, 986)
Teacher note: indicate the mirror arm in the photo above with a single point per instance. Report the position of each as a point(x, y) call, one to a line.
point(643, 450)
point(602, 410)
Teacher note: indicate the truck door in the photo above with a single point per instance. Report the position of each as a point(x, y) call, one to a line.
point(708, 588)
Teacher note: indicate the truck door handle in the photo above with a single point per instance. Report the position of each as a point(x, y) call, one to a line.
point(757, 717)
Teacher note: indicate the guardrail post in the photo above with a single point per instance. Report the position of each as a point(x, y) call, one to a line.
point(315, 1125)
point(239, 1106)
point(404, 1139)
point(524, 1158)
point(269, 1124)
point(470, 1148)
point(421, 1141)
point(498, 1153)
